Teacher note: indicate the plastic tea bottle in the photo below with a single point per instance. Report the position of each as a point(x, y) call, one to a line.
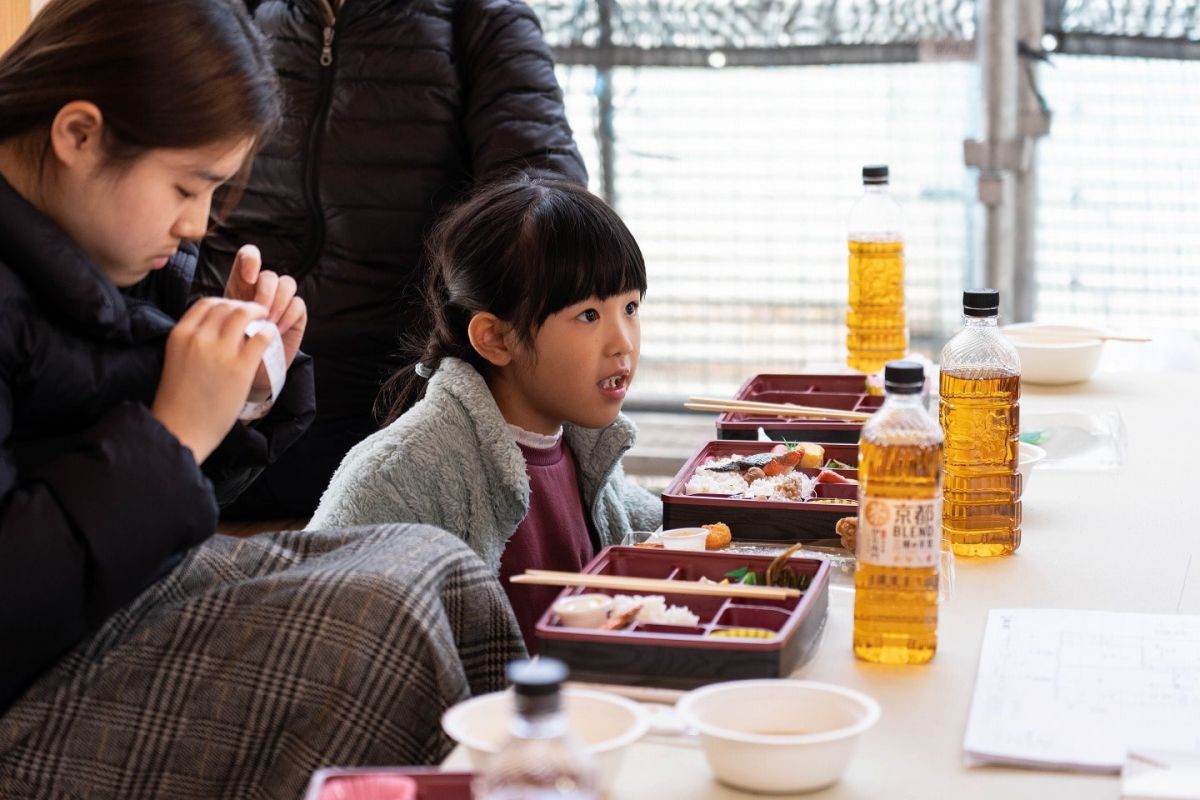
point(899, 525)
point(541, 760)
point(980, 415)
point(877, 331)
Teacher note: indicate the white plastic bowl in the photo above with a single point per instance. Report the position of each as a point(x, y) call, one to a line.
point(1027, 456)
point(583, 610)
point(1050, 355)
point(603, 723)
point(778, 736)
point(683, 538)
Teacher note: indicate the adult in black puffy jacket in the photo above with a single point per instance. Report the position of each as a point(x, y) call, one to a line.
point(394, 109)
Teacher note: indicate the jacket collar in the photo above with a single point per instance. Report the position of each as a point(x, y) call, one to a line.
point(57, 272)
point(597, 451)
point(351, 9)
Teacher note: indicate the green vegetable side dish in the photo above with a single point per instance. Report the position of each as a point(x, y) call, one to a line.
point(743, 576)
point(1034, 437)
point(787, 578)
point(833, 463)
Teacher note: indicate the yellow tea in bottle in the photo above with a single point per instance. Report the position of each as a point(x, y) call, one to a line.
point(875, 322)
point(876, 327)
point(898, 544)
point(979, 411)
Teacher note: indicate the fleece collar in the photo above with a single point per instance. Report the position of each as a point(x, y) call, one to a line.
point(597, 451)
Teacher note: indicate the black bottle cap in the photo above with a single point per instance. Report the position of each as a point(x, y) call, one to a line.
point(981, 302)
point(536, 684)
point(875, 173)
point(542, 676)
point(903, 377)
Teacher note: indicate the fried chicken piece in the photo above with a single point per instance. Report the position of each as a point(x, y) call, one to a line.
point(847, 528)
point(719, 536)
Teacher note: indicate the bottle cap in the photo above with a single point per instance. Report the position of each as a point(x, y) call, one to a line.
point(875, 173)
point(903, 377)
point(536, 684)
point(981, 302)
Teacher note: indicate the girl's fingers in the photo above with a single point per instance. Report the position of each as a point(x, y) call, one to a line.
point(194, 318)
point(233, 327)
point(265, 289)
point(295, 313)
point(244, 273)
point(252, 351)
point(285, 290)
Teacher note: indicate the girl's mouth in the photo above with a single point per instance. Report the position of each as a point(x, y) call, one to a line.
point(615, 385)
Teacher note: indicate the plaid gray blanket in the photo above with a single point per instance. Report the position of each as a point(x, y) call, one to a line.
point(258, 660)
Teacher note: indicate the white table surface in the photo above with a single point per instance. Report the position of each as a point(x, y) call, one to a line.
point(1121, 539)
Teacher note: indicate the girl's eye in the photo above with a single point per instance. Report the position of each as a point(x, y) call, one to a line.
point(184, 193)
point(631, 309)
point(591, 315)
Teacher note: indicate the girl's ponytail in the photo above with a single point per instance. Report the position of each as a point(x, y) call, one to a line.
point(446, 325)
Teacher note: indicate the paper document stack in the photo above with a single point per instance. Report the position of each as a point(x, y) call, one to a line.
point(1075, 689)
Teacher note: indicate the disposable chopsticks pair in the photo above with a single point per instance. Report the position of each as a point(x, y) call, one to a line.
point(545, 577)
point(773, 409)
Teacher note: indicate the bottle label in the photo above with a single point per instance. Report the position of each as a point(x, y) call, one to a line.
point(900, 533)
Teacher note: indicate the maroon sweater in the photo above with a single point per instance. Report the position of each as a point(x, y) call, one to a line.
point(554, 534)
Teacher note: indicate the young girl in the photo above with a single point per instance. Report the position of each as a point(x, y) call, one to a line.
point(138, 656)
point(517, 444)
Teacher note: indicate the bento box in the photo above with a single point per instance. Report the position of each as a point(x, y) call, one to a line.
point(734, 638)
point(764, 520)
point(840, 392)
point(432, 783)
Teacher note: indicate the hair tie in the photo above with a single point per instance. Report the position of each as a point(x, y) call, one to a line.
point(423, 370)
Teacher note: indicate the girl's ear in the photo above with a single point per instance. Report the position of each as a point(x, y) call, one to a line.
point(489, 336)
point(76, 135)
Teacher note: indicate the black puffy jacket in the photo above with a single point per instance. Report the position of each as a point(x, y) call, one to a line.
point(393, 110)
point(97, 499)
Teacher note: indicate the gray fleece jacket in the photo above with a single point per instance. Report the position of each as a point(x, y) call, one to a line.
point(451, 461)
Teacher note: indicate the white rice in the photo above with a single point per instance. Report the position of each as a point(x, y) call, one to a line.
point(704, 481)
point(793, 486)
point(654, 610)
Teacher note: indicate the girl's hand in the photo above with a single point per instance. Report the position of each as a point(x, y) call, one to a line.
point(249, 281)
point(207, 372)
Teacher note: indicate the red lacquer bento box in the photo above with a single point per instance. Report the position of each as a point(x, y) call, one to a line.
point(764, 520)
point(718, 648)
point(432, 783)
point(841, 392)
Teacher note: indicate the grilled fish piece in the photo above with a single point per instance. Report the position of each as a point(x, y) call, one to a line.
point(759, 460)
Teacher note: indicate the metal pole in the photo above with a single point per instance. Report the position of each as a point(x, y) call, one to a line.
point(1033, 123)
point(605, 108)
point(998, 59)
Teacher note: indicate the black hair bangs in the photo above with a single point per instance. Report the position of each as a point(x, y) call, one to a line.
point(578, 248)
point(521, 248)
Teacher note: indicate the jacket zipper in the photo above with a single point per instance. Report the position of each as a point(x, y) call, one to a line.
point(608, 473)
point(312, 187)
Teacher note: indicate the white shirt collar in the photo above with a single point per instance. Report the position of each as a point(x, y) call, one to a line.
point(536, 441)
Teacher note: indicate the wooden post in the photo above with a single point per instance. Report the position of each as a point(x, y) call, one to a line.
point(14, 16)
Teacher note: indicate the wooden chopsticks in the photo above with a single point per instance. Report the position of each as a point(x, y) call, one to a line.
point(546, 577)
point(772, 409)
